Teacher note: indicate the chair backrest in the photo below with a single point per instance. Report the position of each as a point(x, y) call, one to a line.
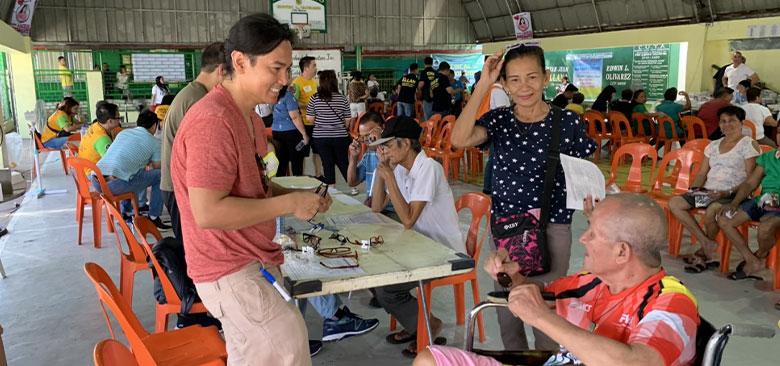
point(38, 142)
point(378, 107)
point(79, 168)
point(751, 126)
point(146, 227)
point(591, 120)
point(645, 126)
point(638, 152)
point(697, 144)
point(596, 113)
point(135, 252)
point(479, 205)
point(765, 148)
point(688, 162)
point(426, 138)
point(85, 166)
point(620, 124)
point(354, 129)
point(109, 296)
point(692, 124)
point(663, 120)
point(72, 149)
point(445, 141)
point(109, 352)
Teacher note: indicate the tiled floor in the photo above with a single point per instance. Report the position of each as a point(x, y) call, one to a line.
point(51, 316)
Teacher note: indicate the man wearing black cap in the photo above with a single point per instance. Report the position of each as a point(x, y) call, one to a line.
point(563, 99)
point(423, 201)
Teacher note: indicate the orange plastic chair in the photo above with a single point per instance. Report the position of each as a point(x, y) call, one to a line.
point(474, 162)
point(479, 205)
point(132, 261)
point(72, 149)
point(393, 110)
point(621, 130)
point(435, 142)
point(645, 126)
point(692, 124)
point(194, 345)
point(697, 144)
point(378, 107)
point(751, 126)
point(638, 152)
point(144, 227)
point(663, 139)
point(82, 167)
point(449, 156)
point(597, 130)
point(109, 352)
point(689, 162)
point(41, 150)
point(353, 130)
point(418, 110)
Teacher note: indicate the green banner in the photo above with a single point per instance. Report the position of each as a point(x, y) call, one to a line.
point(652, 67)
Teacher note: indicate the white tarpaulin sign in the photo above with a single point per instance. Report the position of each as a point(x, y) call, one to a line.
point(326, 60)
point(311, 12)
point(21, 17)
point(523, 27)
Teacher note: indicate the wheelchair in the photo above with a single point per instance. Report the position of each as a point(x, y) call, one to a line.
point(710, 342)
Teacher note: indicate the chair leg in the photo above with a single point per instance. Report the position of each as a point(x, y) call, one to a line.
point(422, 330)
point(64, 163)
point(126, 281)
point(161, 321)
point(480, 325)
point(776, 256)
point(675, 236)
point(724, 248)
point(97, 209)
point(458, 291)
point(80, 216)
point(393, 323)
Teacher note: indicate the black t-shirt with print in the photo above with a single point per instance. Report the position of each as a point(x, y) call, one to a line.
point(442, 100)
point(408, 89)
point(519, 152)
point(560, 101)
point(428, 76)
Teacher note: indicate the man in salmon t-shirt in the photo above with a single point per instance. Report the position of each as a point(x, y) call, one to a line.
point(625, 310)
point(227, 210)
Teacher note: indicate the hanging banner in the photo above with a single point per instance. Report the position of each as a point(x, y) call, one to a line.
point(467, 64)
point(21, 17)
point(523, 27)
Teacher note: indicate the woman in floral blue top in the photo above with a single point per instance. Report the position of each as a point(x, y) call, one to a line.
point(520, 136)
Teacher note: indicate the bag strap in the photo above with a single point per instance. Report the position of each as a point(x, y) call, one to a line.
point(553, 160)
point(338, 115)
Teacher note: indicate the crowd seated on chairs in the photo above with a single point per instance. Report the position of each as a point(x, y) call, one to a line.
point(728, 162)
point(61, 124)
point(637, 311)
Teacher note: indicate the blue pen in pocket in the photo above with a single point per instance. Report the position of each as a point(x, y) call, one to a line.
point(270, 278)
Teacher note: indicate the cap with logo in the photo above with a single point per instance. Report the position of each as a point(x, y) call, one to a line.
point(404, 127)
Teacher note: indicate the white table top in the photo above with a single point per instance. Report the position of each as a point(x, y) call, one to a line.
point(405, 256)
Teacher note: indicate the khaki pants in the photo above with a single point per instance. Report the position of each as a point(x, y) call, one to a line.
point(260, 327)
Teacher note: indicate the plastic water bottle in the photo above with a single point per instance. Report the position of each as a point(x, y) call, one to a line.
point(83, 130)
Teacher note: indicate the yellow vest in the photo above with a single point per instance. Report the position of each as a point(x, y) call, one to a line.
point(66, 77)
point(306, 88)
point(50, 131)
point(87, 145)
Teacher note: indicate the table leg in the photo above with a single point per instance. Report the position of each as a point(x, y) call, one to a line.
point(425, 312)
point(2, 270)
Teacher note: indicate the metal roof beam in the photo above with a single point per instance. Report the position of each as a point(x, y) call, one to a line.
point(482, 10)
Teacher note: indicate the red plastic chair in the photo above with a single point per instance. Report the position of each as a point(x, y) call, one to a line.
point(663, 139)
point(194, 345)
point(41, 149)
point(145, 228)
point(689, 162)
point(638, 152)
point(692, 124)
point(82, 167)
point(109, 352)
point(378, 107)
point(621, 130)
point(132, 261)
point(697, 144)
point(449, 156)
point(479, 205)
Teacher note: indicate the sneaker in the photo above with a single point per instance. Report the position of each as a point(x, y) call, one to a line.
point(349, 325)
point(160, 225)
point(314, 347)
point(143, 209)
point(354, 191)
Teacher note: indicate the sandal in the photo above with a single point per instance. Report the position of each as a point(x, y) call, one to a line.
point(392, 338)
point(411, 350)
point(701, 267)
point(741, 275)
point(694, 258)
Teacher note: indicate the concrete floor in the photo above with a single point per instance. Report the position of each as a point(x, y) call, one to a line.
point(50, 311)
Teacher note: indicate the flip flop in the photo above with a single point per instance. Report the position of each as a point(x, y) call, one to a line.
point(410, 353)
point(741, 265)
point(392, 339)
point(701, 266)
point(741, 275)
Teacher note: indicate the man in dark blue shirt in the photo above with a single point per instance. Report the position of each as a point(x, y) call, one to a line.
point(442, 91)
point(427, 78)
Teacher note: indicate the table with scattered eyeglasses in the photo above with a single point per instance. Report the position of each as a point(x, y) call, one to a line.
point(372, 254)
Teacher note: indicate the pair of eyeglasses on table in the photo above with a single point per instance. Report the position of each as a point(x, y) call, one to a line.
point(374, 241)
point(338, 252)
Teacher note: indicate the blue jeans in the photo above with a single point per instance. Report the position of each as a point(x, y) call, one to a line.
point(427, 109)
point(404, 109)
point(325, 305)
point(138, 184)
point(56, 143)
